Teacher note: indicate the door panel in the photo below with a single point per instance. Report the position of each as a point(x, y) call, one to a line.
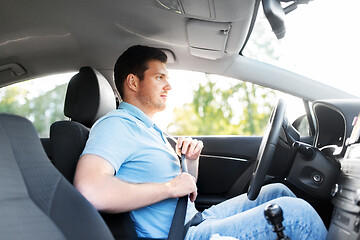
point(225, 167)
point(245, 147)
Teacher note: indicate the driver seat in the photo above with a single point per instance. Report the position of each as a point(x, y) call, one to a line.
point(89, 96)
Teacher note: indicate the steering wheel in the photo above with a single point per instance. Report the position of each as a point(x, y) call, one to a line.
point(266, 150)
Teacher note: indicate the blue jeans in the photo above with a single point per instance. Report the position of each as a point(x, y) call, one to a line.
point(241, 218)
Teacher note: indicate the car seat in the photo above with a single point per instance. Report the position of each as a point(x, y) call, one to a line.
point(36, 201)
point(89, 96)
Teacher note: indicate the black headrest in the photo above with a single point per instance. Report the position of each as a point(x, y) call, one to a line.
point(89, 96)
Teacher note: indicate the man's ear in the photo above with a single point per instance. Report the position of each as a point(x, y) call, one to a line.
point(132, 82)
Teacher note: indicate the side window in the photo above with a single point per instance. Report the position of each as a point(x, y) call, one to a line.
point(39, 100)
point(302, 125)
point(205, 104)
point(296, 114)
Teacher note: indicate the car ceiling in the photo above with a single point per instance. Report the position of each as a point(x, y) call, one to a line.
point(47, 36)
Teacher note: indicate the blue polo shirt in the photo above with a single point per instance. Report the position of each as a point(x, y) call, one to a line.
point(140, 153)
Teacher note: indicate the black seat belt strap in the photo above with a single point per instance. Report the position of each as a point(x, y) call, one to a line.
point(177, 226)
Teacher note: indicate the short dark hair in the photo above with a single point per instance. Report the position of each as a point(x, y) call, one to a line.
point(135, 60)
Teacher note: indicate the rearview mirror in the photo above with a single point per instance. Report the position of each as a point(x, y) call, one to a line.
point(275, 13)
point(276, 16)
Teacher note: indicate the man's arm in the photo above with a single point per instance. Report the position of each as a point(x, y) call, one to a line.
point(94, 178)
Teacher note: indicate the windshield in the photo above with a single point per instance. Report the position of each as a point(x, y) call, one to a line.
point(322, 42)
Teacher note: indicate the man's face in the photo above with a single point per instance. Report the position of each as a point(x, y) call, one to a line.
point(153, 89)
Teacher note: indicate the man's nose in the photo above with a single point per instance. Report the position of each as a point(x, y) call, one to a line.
point(167, 86)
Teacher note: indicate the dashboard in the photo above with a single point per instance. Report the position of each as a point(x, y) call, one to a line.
point(316, 168)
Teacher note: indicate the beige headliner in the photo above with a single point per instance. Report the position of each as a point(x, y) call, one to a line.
point(49, 36)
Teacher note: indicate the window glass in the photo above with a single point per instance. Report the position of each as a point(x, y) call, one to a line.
point(321, 42)
point(198, 104)
point(205, 104)
point(39, 100)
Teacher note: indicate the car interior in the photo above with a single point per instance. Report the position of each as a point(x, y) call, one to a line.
point(41, 38)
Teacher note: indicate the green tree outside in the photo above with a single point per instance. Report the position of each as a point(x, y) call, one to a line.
point(11, 98)
point(42, 110)
point(239, 109)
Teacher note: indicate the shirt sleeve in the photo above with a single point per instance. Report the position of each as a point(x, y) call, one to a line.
point(112, 139)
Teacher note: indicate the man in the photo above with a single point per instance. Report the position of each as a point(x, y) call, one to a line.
point(128, 165)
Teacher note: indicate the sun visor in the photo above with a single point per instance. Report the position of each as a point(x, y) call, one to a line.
point(207, 39)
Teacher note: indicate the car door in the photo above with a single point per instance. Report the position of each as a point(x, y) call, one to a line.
point(229, 116)
point(225, 167)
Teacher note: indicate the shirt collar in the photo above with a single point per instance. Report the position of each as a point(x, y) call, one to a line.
point(137, 113)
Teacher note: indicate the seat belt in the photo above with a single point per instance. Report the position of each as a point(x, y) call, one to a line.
point(177, 225)
point(178, 230)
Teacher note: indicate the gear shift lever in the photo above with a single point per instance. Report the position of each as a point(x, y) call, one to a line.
point(274, 216)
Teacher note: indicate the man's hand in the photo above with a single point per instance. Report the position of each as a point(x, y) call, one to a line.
point(183, 185)
point(94, 178)
point(190, 147)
